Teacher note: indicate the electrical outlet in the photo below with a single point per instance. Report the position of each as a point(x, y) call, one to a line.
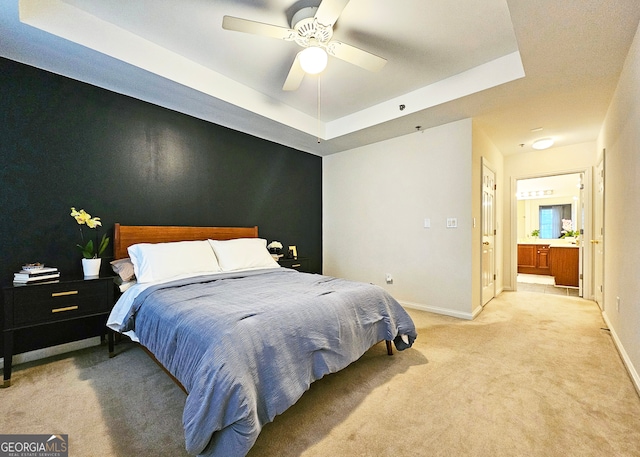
point(452, 222)
point(389, 278)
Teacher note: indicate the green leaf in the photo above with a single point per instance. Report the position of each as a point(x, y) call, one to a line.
point(87, 250)
point(103, 244)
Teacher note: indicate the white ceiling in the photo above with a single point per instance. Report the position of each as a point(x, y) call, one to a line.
point(512, 65)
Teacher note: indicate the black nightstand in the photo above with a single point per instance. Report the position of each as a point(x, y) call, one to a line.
point(300, 264)
point(33, 305)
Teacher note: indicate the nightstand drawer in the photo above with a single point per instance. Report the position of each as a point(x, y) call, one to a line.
point(49, 302)
point(301, 263)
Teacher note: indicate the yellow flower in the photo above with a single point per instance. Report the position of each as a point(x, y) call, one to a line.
point(88, 250)
point(82, 217)
point(93, 223)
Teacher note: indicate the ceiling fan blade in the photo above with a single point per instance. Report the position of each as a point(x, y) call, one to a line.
point(295, 76)
point(329, 11)
point(355, 56)
point(257, 28)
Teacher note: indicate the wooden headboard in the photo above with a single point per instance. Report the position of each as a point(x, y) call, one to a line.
point(126, 235)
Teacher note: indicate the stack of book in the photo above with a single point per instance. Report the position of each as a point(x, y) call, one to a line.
point(44, 274)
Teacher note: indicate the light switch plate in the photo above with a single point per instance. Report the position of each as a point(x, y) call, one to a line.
point(452, 222)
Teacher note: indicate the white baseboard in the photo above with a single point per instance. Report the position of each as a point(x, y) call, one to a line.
point(53, 350)
point(633, 373)
point(443, 311)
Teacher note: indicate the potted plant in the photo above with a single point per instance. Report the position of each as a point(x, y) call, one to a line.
point(567, 230)
point(535, 233)
point(91, 253)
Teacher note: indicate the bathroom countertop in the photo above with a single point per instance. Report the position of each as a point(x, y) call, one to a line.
point(553, 243)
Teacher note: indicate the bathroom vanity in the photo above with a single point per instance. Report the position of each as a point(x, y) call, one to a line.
point(559, 261)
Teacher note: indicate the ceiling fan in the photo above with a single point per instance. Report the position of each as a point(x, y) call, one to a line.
point(311, 28)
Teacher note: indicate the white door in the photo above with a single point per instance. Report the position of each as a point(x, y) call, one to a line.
point(488, 234)
point(597, 241)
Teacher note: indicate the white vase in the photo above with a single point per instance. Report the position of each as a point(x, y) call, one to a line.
point(91, 267)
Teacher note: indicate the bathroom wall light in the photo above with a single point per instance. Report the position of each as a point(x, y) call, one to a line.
point(544, 143)
point(534, 194)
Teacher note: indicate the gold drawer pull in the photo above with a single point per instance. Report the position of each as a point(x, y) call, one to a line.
point(62, 294)
point(295, 265)
point(68, 308)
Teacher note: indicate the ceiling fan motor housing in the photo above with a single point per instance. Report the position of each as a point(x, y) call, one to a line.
point(307, 28)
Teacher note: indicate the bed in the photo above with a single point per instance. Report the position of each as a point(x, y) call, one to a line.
point(241, 335)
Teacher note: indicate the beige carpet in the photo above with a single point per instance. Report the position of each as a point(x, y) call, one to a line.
point(533, 375)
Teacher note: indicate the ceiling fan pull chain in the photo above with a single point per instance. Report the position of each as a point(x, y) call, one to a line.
point(319, 93)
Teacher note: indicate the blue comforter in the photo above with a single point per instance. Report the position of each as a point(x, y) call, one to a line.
point(247, 346)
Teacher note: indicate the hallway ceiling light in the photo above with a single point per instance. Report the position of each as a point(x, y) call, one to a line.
point(544, 143)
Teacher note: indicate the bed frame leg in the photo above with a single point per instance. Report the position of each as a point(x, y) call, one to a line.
point(111, 342)
point(389, 348)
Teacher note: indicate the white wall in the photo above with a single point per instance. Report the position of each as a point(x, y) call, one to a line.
point(620, 136)
point(560, 160)
point(375, 200)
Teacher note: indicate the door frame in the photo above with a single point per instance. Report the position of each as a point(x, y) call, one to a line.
point(600, 165)
point(587, 258)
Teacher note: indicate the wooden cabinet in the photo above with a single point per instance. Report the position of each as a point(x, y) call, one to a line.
point(558, 261)
point(29, 306)
point(534, 259)
point(543, 259)
point(526, 256)
point(564, 265)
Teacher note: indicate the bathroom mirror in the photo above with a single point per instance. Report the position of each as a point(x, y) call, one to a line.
point(542, 205)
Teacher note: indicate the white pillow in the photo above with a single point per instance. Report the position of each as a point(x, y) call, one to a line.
point(158, 261)
point(243, 254)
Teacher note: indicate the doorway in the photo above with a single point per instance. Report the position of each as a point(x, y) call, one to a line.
point(550, 227)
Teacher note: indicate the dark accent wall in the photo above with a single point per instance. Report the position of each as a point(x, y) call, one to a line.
point(64, 143)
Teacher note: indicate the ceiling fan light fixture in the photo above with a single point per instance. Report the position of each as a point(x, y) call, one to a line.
point(313, 60)
point(544, 143)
